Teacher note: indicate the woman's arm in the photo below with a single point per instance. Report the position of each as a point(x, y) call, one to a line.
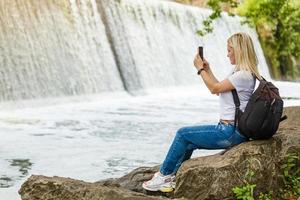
point(208, 70)
point(209, 79)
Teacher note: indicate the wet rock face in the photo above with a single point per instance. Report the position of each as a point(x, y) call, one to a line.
point(210, 177)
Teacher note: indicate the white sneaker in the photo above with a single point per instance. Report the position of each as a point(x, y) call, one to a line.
point(160, 182)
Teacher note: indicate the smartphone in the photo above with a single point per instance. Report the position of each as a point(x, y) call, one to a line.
point(201, 52)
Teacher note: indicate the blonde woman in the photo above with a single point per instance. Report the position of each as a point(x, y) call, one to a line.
point(222, 135)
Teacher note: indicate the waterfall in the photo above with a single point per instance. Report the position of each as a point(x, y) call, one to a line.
point(156, 41)
point(54, 48)
point(72, 47)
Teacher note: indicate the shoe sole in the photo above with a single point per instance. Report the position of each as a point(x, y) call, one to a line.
point(166, 189)
point(162, 189)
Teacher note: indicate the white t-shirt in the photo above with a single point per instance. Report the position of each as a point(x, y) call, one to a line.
point(244, 83)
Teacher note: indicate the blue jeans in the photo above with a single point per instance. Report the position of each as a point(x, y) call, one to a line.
point(187, 139)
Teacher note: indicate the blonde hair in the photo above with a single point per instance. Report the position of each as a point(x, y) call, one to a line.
point(245, 56)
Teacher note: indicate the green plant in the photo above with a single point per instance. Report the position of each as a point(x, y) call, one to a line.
point(245, 192)
point(215, 5)
point(291, 177)
point(267, 196)
point(278, 25)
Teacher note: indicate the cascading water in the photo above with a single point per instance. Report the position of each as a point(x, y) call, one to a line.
point(155, 42)
point(54, 48)
point(62, 48)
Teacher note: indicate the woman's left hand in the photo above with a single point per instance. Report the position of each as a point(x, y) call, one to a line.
point(198, 62)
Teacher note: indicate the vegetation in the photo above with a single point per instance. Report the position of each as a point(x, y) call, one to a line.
point(291, 180)
point(277, 23)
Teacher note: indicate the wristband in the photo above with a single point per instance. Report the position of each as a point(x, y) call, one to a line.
point(199, 71)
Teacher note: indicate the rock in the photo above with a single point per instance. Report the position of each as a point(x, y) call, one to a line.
point(134, 180)
point(213, 177)
point(58, 188)
point(210, 177)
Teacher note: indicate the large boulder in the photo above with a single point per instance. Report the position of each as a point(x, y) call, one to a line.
point(213, 177)
point(209, 177)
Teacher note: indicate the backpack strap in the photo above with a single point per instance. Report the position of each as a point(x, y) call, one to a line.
point(284, 117)
point(237, 103)
point(262, 78)
point(237, 106)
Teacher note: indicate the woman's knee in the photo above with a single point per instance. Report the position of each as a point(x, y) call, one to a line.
point(182, 132)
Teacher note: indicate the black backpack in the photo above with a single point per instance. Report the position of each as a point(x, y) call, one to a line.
point(262, 114)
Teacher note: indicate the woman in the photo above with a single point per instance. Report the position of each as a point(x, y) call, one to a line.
point(222, 135)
